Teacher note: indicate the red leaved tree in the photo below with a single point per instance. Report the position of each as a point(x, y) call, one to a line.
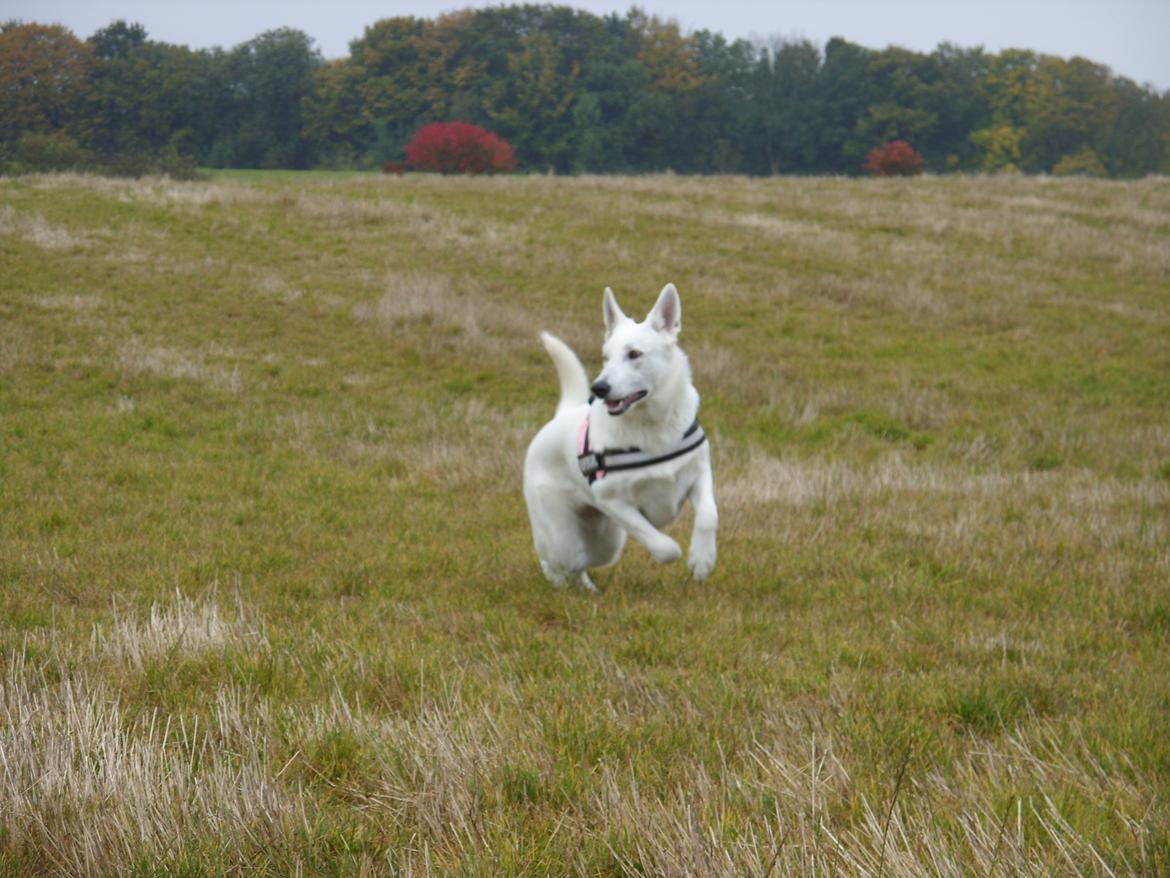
point(458, 148)
point(894, 159)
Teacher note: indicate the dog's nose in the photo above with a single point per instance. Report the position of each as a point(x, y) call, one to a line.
point(600, 388)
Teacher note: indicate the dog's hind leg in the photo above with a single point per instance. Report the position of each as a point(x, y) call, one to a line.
point(602, 540)
point(556, 577)
point(569, 541)
point(565, 579)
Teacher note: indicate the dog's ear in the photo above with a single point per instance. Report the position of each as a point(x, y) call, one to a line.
point(667, 314)
point(613, 314)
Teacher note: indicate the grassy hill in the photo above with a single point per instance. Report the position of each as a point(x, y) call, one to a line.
point(268, 600)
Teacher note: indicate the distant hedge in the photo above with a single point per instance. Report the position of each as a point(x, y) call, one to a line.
point(570, 92)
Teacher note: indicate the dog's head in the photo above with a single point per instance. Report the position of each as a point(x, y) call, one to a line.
point(640, 358)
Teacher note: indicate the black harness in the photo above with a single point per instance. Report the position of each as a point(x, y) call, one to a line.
point(595, 464)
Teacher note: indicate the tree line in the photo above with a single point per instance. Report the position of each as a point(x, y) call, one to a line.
point(571, 92)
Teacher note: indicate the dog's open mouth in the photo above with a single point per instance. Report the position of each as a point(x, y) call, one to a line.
point(621, 406)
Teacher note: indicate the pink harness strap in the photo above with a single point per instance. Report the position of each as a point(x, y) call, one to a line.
point(583, 443)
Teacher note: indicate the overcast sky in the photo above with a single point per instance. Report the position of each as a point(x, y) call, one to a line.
point(1130, 36)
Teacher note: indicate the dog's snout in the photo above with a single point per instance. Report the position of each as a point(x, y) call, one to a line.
point(601, 388)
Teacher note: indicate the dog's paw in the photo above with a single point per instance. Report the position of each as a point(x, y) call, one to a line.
point(665, 551)
point(555, 577)
point(701, 562)
point(701, 558)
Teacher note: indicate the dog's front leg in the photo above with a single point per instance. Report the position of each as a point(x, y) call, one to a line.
point(701, 559)
point(662, 548)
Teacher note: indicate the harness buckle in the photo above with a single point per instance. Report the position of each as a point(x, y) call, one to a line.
point(590, 464)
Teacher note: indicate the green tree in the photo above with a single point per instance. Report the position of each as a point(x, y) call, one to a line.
point(788, 105)
point(720, 131)
point(845, 95)
point(1083, 163)
point(531, 105)
point(1069, 106)
point(996, 144)
point(1140, 136)
point(117, 40)
point(670, 56)
point(336, 127)
point(147, 98)
point(270, 77)
point(628, 114)
point(903, 105)
point(960, 104)
point(998, 147)
point(365, 108)
point(588, 145)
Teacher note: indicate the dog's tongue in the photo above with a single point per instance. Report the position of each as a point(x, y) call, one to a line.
point(617, 406)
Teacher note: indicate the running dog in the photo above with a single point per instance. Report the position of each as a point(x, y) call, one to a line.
point(621, 456)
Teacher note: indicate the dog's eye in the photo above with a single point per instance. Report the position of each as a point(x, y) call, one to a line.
point(633, 355)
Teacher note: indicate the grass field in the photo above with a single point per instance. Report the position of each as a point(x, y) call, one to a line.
point(269, 605)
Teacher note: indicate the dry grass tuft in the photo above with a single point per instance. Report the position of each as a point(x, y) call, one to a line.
point(415, 298)
point(69, 302)
point(86, 790)
point(181, 629)
point(431, 307)
point(135, 359)
point(961, 820)
point(36, 230)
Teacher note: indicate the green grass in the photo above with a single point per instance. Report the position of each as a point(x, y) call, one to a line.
point(268, 600)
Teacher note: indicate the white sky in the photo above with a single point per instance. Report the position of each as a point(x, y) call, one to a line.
point(1130, 36)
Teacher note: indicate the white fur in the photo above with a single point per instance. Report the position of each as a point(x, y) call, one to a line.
point(576, 525)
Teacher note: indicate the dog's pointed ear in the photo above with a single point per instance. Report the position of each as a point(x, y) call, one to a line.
point(613, 313)
point(667, 314)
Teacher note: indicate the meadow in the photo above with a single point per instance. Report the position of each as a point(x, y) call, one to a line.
point(269, 604)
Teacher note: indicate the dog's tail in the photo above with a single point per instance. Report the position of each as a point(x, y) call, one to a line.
point(574, 383)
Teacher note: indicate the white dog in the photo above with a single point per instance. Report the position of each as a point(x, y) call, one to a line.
point(624, 460)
